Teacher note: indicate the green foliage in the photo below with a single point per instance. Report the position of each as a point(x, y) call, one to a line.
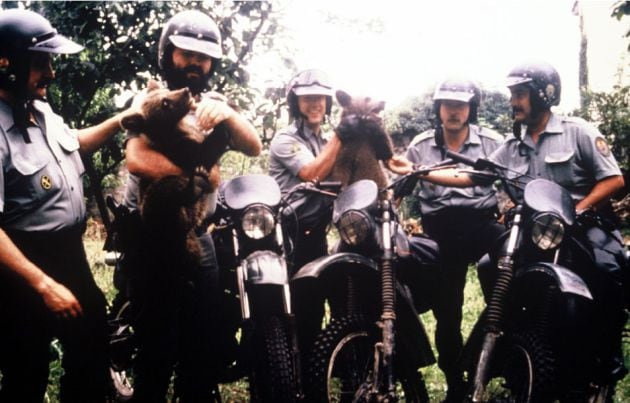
point(611, 113)
point(495, 112)
point(120, 40)
point(412, 117)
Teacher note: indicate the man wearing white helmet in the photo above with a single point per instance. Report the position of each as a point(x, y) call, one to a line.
point(461, 221)
point(304, 152)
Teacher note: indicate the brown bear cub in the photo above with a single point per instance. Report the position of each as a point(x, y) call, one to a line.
point(172, 207)
point(364, 141)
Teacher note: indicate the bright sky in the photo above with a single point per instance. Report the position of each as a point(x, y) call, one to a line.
point(411, 45)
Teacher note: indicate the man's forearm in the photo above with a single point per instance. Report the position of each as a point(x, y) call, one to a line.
point(244, 137)
point(448, 177)
point(323, 164)
point(601, 192)
point(145, 162)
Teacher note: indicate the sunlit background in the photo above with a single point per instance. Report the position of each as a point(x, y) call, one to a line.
point(395, 49)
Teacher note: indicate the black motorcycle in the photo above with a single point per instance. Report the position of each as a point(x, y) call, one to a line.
point(255, 332)
point(537, 339)
point(375, 343)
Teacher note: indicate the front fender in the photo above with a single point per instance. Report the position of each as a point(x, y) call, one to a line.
point(265, 267)
point(350, 261)
point(567, 281)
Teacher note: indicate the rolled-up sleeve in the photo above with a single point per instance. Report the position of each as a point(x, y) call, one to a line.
point(291, 153)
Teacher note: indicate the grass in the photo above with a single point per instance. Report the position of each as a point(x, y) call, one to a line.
point(237, 392)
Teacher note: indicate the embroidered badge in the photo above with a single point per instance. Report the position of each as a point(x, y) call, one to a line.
point(295, 148)
point(46, 182)
point(602, 146)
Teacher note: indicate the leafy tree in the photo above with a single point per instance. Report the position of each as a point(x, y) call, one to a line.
point(610, 112)
point(120, 40)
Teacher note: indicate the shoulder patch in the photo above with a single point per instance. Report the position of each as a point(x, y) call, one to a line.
point(422, 137)
point(602, 146)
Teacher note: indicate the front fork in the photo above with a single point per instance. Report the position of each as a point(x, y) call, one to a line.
point(241, 279)
point(494, 318)
point(384, 350)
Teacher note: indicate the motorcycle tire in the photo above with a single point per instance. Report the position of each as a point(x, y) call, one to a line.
point(523, 370)
point(274, 377)
point(343, 359)
point(122, 352)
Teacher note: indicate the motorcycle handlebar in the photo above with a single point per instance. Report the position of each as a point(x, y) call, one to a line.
point(461, 158)
point(478, 164)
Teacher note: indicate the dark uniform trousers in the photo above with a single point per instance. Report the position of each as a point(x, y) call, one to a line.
point(607, 284)
point(174, 306)
point(28, 327)
point(307, 299)
point(463, 235)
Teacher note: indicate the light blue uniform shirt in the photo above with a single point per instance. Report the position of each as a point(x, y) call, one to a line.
point(41, 186)
point(423, 150)
point(570, 152)
point(290, 150)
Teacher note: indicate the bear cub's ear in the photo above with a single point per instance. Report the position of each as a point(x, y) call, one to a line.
point(343, 98)
point(134, 123)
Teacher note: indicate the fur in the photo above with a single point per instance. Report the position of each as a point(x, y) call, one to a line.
point(364, 141)
point(172, 207)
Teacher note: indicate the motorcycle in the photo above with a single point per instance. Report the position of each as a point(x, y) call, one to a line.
point(375, 342)
point(255, 334)
point(252, 238)
point(537, 339)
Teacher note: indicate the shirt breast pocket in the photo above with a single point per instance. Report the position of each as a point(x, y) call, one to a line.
point(560, 166)
point(70, 146)
point(29, 181)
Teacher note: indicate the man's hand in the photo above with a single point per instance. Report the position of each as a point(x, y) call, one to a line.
point(399, 165)
point(211, 112)
point(58, 299)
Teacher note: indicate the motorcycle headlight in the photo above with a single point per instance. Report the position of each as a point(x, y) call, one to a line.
point(257, 221)
point(547, 231)
point(354, 227)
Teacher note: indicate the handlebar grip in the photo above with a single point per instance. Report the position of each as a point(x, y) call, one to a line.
point(461, 158)
point(331, 185)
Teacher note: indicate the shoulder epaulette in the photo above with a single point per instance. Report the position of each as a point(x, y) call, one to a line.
point(426, 135)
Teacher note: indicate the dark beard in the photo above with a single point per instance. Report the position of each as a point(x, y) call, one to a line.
point(178, 79)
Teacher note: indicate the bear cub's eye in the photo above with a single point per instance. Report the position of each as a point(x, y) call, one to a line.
point(166, 103)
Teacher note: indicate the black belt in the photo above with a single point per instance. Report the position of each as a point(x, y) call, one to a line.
point(58, 237)
point(458, 219)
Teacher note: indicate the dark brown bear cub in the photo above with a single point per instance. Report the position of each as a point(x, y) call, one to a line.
point(364, 141)
point(173, 206)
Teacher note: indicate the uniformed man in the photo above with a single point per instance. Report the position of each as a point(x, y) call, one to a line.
point(461, 220)
point(304, 152)
point(175, 307)
point(574, 154)
point(46, 287)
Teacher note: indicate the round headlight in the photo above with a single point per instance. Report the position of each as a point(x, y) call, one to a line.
point(257, 222)
point(353, 227)
point(547, 231)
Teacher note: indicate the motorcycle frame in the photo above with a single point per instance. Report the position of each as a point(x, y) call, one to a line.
point(354, 265)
